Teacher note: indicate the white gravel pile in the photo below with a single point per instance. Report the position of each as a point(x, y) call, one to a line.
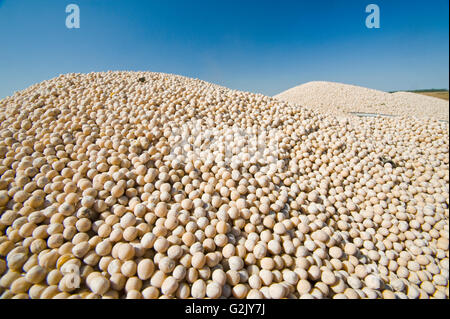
point(148, 185)
point(341, 99)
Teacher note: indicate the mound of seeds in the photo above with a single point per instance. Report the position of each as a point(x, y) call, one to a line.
point(149, 185)
point(343, 99)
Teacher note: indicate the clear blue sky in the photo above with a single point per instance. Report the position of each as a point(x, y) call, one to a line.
point(252, 45)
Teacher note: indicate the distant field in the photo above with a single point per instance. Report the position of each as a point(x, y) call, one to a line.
point(439, 94)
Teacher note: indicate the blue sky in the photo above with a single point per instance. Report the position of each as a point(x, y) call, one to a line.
point(252, 45)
